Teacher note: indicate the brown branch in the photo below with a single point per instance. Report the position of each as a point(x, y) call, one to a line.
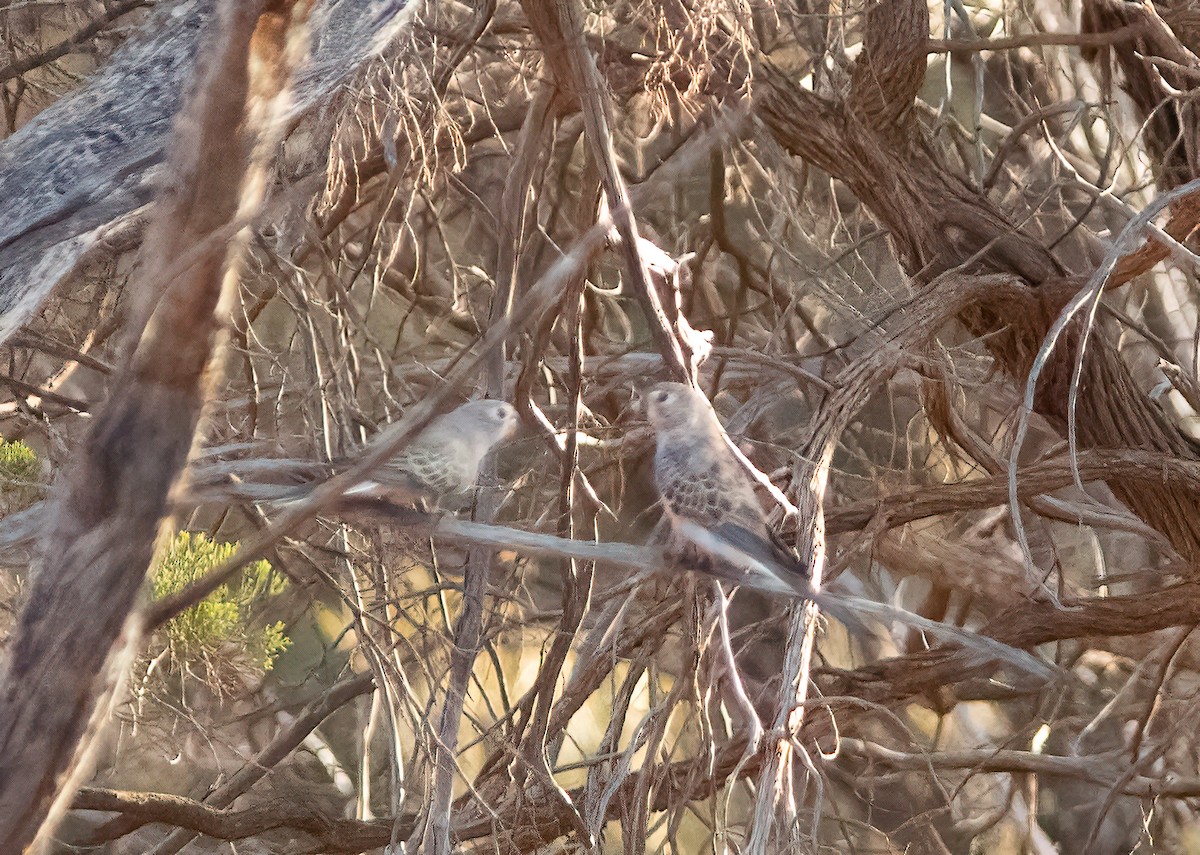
point(113, 497)
point(1184, 219)
point(36, 341)
point(284, 743)
point(327, 833)
point(937, 221)
point(1176, 473)
point(1096, 768)
point(1122, 34)
point(28, 390)
point(891, 69)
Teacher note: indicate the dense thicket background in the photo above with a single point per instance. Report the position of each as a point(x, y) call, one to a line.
point(938, 251)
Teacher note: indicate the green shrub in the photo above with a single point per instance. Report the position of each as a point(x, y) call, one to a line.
point(217, 633)
point(20, 475)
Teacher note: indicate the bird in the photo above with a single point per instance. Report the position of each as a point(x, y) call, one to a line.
point(708, 497)
point(718, 526)
point(444, 458)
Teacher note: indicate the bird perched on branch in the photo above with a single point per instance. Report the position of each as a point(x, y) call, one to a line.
point(444, 458)
point(718, 526)
point(714, 515)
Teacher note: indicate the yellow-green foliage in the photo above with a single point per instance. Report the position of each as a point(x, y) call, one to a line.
point(20, 474)
point(219, 623)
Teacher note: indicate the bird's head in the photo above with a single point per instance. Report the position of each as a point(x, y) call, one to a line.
point(671, 406)
point(494, 420)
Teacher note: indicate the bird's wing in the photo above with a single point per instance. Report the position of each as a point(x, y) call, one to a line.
point(394, 485)
point(757, 562)
point(413, 476)
point(762, 544)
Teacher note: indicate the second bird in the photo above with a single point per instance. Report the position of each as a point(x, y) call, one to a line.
point(445, 457)
point(709, 497)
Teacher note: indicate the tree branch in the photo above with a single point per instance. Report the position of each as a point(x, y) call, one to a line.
point(113, 496)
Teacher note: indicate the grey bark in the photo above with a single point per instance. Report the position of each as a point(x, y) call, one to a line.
point(80, 170)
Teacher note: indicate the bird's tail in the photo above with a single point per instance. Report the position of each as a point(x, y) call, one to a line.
point(759, 569)
point(847, 608)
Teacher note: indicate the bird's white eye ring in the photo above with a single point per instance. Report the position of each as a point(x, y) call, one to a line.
point(660, 397)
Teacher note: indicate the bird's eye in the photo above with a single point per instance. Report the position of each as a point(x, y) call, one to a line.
point(660, 397)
